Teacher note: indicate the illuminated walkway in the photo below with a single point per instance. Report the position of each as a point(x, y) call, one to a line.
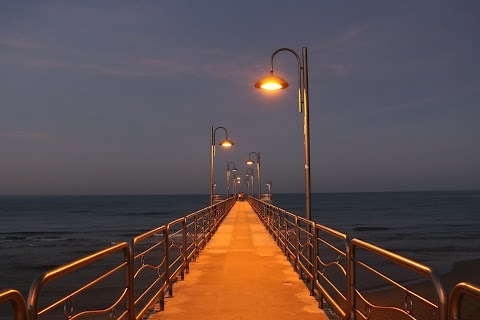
point(241, 274)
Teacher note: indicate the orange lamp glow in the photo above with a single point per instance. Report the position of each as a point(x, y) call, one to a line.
point(271, 82)
point(227, 143)
point(250, 161)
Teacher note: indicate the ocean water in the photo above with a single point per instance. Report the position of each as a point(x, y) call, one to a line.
point(39, 233)
point(433, 228)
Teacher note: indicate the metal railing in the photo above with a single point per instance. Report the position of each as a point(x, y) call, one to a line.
point(404, 302)
point(133, 277)
point(356, 279)
point(299, 239)
point(161, 255)
point(456, 298)
point(17, 302)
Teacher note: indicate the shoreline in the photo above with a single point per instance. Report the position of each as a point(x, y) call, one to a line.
point(462, 271)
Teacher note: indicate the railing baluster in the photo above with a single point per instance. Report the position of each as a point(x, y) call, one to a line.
point(277, 222)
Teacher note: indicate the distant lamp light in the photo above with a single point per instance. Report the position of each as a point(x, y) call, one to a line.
point(250, 161)
point(271, 82)
point(226, 143)
point(234, 169)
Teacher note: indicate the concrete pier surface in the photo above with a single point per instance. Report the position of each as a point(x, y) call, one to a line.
point(241, 274)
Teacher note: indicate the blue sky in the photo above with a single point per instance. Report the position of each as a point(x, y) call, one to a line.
point(118, 97)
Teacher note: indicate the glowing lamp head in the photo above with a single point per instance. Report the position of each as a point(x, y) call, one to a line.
point(234, 170)
point(271, 82)
point(249, 161)
point(227, 143)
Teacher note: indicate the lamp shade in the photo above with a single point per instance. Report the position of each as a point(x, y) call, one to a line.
point(226, 143)
point(250, 161)
point(271, 82)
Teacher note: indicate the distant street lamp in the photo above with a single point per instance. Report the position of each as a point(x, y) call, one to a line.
point(272, 82)
point(235, 181)
point(234, 169)
point(250, 162)
point(269, 185)
point(247, 181)
point(252, 181)
point(226, 143)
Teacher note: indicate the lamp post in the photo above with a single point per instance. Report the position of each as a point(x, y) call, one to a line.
point(269, 186)
point(225, 143)
point(235, 177)
point(252, 180)
point(234, 169)
point(250, 162)
point(247, 182)
point(272, 82)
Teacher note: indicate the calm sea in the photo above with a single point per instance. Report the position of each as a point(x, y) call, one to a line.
point(39, 233)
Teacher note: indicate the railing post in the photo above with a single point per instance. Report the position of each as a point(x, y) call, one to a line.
point(314, 262)
point(17, 302)
point(286, 233)
point(351, 300)
point(297, 248)
point(131, 281)
point(184, 251)
point(277, 224)
point(167, 262)
point(195, 237)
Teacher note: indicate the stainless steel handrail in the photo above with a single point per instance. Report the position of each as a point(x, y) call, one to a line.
point(33, 309)
point(299, 239)
point(165, 252)
point(291, 234)
point(168, 250)
point(439, 307)
point(160, 253)
point(456, 298)
point(15, 298)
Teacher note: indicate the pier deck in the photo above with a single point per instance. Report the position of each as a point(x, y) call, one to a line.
point(241, 274)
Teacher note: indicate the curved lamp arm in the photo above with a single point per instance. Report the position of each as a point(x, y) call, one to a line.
point(301, 85)
point(274, 83)
point(250, 159)
point(225, 143)
point(234, 166)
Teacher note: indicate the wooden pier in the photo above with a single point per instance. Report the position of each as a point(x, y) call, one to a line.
point(241, 274)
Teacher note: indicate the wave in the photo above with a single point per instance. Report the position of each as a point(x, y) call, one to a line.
point(29, 233)
point(360, 229)
point(33, 238)
point(150, 213)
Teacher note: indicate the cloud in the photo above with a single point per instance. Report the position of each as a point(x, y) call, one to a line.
point(338, 69)
point(24, 52)
point(25, 135)
point(18, 41)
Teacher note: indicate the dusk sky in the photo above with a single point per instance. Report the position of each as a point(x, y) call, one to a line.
point(117, 97)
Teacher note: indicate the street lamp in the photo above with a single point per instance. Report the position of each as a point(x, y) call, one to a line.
point(272, 82)
point(247, 182)
point(269, 185)
point(226, 143)
point(228, 176)
point(235, 177)
point(252, 181)
point(250, 162)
